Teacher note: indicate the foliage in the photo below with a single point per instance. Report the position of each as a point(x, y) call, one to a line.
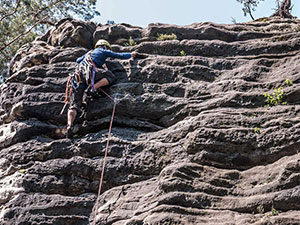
point(110, 22)
point(165, 37)
point(274, 212)
point(130, 42)
point(233, 20)
point(283, 8)
point(288, 82)
point(249, 6)
point(256, 130)
point(276, 98)
point(22, 20)
point(260, 209)
point(182, 53)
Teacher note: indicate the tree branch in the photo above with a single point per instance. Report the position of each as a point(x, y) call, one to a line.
point(40, 21)
point(284, 9)
point(35, 15)
point(19, 36)
point(12, 13)
point(250, 13)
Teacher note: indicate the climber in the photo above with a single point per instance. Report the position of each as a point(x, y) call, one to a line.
point(90, 76)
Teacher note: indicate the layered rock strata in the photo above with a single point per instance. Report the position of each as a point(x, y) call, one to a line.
point(194, 138)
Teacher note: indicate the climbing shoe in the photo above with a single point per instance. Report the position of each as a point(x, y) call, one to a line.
point(93, 94)
point(69, 132)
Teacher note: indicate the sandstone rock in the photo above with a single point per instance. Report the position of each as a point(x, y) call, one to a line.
point(36, 53)
point(193, 140)
point(187, 193)
point(118, 33)
point(72, 33)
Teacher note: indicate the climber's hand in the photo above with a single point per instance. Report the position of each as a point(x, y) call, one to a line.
point(133, 54)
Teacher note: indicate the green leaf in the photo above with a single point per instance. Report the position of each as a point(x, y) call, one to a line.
point(165, 37)
point(20, 21)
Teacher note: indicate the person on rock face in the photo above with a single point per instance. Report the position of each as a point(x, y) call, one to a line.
point(90, 76)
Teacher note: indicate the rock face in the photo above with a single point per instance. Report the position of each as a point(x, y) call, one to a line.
point(194, 140)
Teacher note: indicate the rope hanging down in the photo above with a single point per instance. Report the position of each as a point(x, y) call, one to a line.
point(105, 156)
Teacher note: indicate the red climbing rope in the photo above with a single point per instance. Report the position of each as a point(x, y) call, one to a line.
point(67, 89)
point(66, 94)
point(105, 156)
point(107, 94)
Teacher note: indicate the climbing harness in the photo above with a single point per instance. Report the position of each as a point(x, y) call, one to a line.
point(105, 155)
point(89, 70)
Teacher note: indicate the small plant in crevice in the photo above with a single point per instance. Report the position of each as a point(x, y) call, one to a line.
point(165, 37)
point(263, 19)
point(256, 130)
point(260, 209)
point(76, 136)
point(182, 53)
point(288, 82)
point(233, 20)
point(45, 136)
point(130, 42)
point(278, 94)
point(274, 212)
point(276, 98)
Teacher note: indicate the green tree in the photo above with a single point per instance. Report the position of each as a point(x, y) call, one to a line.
point(249, 6)
point(22, 20)
point(283, 8)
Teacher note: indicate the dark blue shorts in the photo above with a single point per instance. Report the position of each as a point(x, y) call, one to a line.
point(78, 95)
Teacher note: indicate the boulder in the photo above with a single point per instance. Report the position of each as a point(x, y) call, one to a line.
point(117, 33)
point(72, 33)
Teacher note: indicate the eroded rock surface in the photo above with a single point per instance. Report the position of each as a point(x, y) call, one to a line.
point(193, 140)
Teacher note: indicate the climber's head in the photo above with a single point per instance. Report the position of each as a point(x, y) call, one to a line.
point(103, 44)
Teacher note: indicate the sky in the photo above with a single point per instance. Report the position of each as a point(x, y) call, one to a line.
point(181, 12)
